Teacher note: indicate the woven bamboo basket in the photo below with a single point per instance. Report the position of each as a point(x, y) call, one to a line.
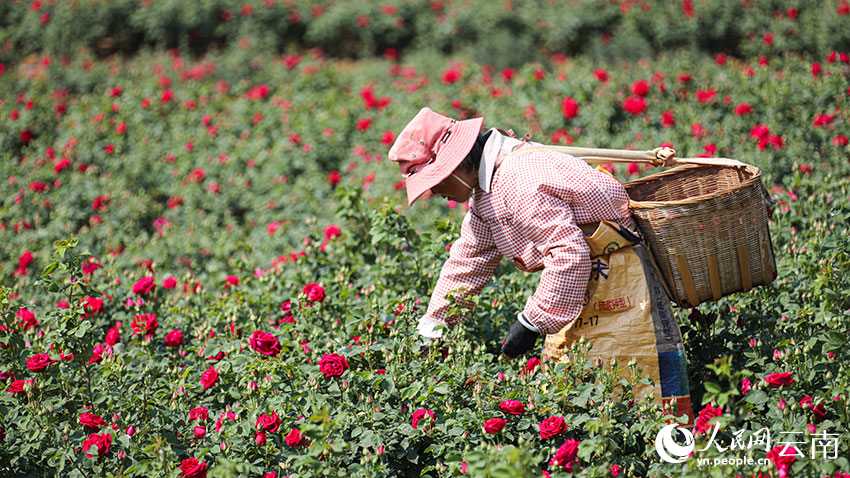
point(704, 221)
point(707, 229)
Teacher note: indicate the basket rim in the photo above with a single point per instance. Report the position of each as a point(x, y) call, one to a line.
point(691, 200)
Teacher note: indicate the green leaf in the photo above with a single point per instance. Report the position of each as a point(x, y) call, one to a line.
point(757, 397)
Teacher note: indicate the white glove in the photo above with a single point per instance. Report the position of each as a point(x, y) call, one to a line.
point(429, 328)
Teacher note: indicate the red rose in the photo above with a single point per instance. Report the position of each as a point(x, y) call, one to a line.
point(192, 468)
point(268, 423)
point(566, 455)
point(569, 107)
point(780, 379)
point(101, 442)
point(419, 415)
point(39, 362)
point(743, 108)
point(200, 432)
point(143, 285)
point(494, 425)
point(818, 410)
point(147, 322)
point(28, 319)
point(174, 338)
point(781, 460)
point(314, 291)
point(17, 386)
point(260, 438)
point(552, 426)
point(294, 438)
point(333, 365)
point(199, 413)
point(634, 105)
point(705, 415)
point(532, 363)
point(113, 336)
point(91, 420)
point(513, 407)
point(209, 378)
point(170, 282)
point(265, 343)
point(640, 88)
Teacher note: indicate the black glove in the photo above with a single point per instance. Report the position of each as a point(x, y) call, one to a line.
point(520, 340)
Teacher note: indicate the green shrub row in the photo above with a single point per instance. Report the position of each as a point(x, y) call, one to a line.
point(502, 33)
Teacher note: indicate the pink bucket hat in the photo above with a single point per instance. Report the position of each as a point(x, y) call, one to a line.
point(430, 147)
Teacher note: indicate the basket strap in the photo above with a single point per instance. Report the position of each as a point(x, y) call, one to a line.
point(656, 157)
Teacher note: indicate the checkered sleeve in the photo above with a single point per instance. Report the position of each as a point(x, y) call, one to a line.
point(472, 259)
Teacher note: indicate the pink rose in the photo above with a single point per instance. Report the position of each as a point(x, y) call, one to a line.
point(494, 425)
point(314, 291)
point(333, 365)
point(780, 379)
point(144, 285)
point(294, 438)
point(552, 426)
point(191, 468)
point(39, 362)
point(513, 407)
point(101, 442)
point(265, 343)
point(268, 423)
point(209, 378)
point(174, 338)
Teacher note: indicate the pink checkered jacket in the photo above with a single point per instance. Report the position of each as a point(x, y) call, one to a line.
point(530, 212)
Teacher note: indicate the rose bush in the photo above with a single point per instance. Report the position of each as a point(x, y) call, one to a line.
point(243, 199)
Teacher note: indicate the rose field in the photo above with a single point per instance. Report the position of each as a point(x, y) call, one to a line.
point(208, 267)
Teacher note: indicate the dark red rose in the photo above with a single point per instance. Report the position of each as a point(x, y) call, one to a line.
point(265, 343)
point(780, 379)
point(39, 362)
point(174, 338)
point(294, 438)
point(209, 378)
point(333, 365)
point(494, 425)
point(91, 420)
point(192, 468)
point(567, 455)
point(268, 422)
point(102, 443)
point(513, 407)
point(552, 426)
point(144, 285)
point(199, 413)
point(314, 291)
point(419, 415)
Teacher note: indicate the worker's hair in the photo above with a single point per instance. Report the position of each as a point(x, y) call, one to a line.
point(472, 160)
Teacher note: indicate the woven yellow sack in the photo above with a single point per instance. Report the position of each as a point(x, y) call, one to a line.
point(627, 315)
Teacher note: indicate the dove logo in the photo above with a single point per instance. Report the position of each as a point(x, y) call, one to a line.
point(668, 449)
